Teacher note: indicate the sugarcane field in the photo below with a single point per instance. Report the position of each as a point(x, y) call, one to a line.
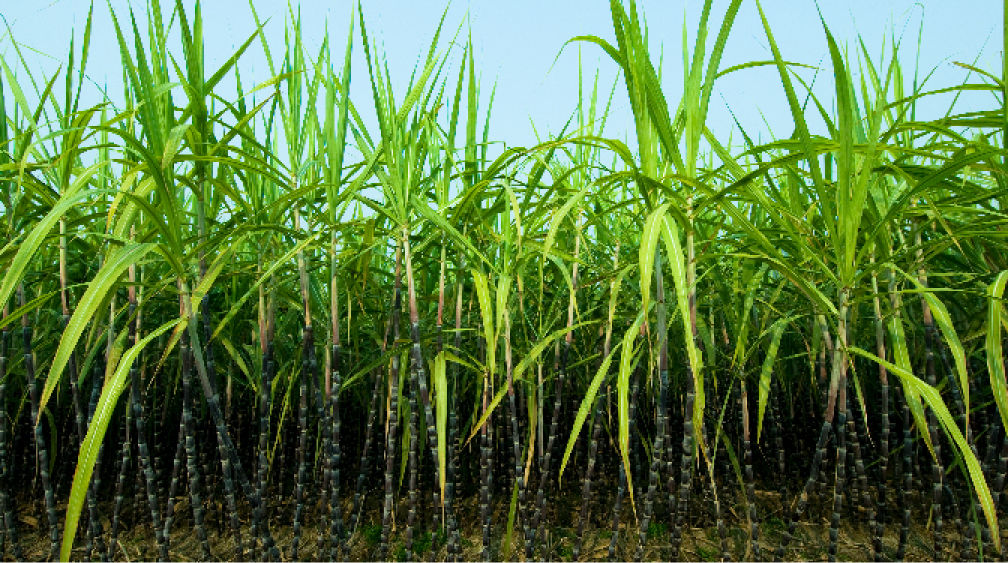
point(295, 299)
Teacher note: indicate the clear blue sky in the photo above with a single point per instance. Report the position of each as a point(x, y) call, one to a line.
point(517, 42)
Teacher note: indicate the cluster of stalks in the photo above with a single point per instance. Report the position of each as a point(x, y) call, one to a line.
point(819, 316)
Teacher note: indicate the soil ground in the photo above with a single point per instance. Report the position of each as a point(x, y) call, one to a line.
point(700, 543)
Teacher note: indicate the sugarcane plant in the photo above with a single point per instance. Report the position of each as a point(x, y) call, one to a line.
point(248, 306)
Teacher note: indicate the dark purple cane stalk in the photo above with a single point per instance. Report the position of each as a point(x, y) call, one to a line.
point(267, 365)
point(40, 438)
point(393, 418)
point(191, 454)
point(413, 470)
point(748, 473)
point(883, 472)
point(335, 455)
point(485, 477)
point(621, 489)
point(299, 495)
point(176, 472)
point(586, 490)
point(660, 408)
point(6, 501)
point(365, 458)
point(230, 494)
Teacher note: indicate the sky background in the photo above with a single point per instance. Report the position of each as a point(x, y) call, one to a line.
point(517, 44)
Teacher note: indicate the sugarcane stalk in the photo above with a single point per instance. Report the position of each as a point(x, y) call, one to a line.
point(858, 436)
point(907, 476)
point(485, 452)
point(94, 532)
point(213, 406)
point(514, 428)
point(719, 515)
point(930, 340)
point(937, 471)
point(392, 417)
point(748, 473)
point(365, 452)
point(586, 489)
point(962, 416)
point(226, 469)
point(323, 404)
point(267, 365)
point(810, 483)
point(333, 437)
point(452, 484)
point(413, 470)
point(96, 384)
point(6, 500)
point(334, 383)
point(660, 408)
point(537, 525)
point(689, 432)
point(323, 408)
point(838, 388)
point(307, 374)
point(419, 374)
point(40, 438)
point(779, 442)
point(880, 350)
point(299, 494)
point(173, 483)
point(192, 457)
point(825, 369)
point(335, 499)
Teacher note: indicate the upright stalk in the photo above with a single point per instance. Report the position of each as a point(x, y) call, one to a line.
point(36, 422)
point(689, 432)
point(392, 416)
point(880, 350)
point(307, 375)
point(418, 373)
point(334, 382)
point(748, 472)
point(660, 408)
point(6, 500)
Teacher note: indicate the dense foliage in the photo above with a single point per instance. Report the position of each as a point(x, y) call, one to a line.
point(248, 295)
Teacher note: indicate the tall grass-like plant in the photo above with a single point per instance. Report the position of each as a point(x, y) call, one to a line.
point(276, 275)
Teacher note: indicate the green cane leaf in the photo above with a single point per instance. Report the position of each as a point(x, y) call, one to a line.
point(767, 369)
point(99, 288)
point(88, 454)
